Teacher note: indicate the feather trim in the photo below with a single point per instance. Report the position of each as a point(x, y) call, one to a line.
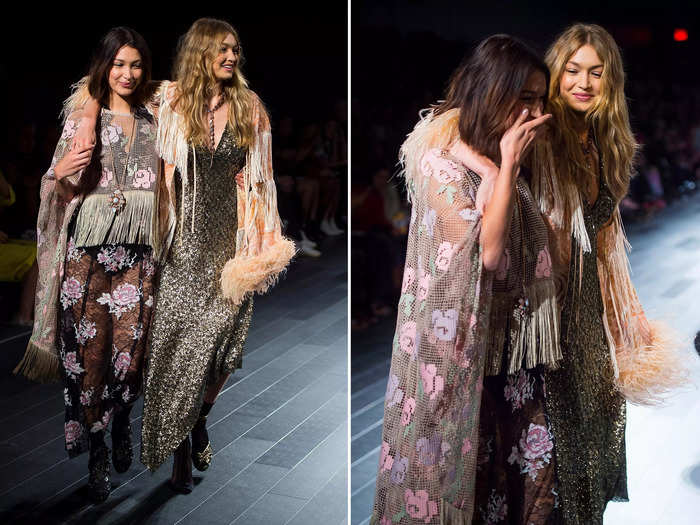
point(649, 373)
point(243, 275)
point(39, 364)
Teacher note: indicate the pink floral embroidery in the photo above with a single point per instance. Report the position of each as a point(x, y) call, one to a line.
point(423, 285)
point(519, 389)
point(433, 383)
point(429, 219)
point(466, 446)
point(70, 363)
point(407, 337)
point(503, 265)
point(86, 396)
point(409, 406)
point(385, 459)
point(121, 365)
point(444, 255)
point(73, 253)
point(144, 178)
point(104, 423)
point(110, 134)
point(544, 264)
point(71, 292)
point(69, 130)
point(114, 259)
point(409, 275)
point(419, 506)
point(149, 268)
point(445, 324)
point(73, 431)
point(122, 299)
point(469, 214)
point(533, 451)
point(107, 177)
point(445, 173)
point(394, 395)
point(84, 331)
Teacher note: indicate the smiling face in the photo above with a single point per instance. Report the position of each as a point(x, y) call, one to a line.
point(532, 97)
point(125, 74)
point(580, 83)
point(226, 60)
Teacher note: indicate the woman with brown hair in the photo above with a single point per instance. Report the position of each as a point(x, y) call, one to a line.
point(227, 242)
point(97, 240)
point(478, 322)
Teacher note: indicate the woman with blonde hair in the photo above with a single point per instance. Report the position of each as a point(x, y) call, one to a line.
point(96, 249)
point(227, 243)
point(610, 351)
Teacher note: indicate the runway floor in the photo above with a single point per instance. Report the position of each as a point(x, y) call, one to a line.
point(278, 429)
point(663, 444)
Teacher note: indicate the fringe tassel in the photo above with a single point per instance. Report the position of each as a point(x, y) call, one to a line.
point(98, 224)
point(535, 340)
point(451, 515)
point(247, 274)
point(39, 364)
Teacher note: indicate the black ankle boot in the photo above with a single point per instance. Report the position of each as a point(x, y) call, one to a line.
point(122, 452)
point(99, 484)
point(181, 480)
point(201, 447)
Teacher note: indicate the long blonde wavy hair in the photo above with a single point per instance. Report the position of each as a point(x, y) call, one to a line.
point(196, 82)
point(608, 118)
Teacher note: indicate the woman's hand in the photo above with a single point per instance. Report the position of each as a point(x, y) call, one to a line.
point(85, 136)
point(75, 160)
point(518, 138)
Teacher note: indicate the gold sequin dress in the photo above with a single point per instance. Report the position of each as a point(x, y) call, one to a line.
point(585, 410)
point(197, 335)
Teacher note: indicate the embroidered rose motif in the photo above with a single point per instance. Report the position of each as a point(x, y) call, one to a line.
point(444, 255)
point(503, 265)
point(429, 219)
point(73, 253)
point(398, 469)
point(394, 395)
point(66, 397)
point(544, 264)
point(429, 449)
point(469, 214)
point(466, 446)
point(518, 389)
point(107, 177)
point(110, 134)
point(419, 506)
point(144, 178)
point(121, 365)
point(84, 331)
point(122, 299)
point(409, 275)
point(407, 337)
point(149, 268)
point(533, 451)
point(104, 423)
point(445, 324)
point(423, 285)
point(114, 259)
point(69, 130)
point(385, 459)
point(433, 383)
point(125, 394)
point(446, 173)
point(71, 292)
point(409, 406)
point(86, 396)
point(73, 431)
point(70, 363)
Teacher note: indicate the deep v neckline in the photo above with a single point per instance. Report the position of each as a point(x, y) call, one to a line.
point(221, 138)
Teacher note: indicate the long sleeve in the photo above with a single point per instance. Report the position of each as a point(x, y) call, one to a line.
point(262, 252)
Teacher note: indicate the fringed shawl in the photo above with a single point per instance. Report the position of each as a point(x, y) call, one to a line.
point(262, 252)
point(442, 342)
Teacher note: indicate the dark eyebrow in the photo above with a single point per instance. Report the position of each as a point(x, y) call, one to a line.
point(579, 65)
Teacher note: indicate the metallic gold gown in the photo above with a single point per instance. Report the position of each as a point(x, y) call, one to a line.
point(586, 412)
point(197, 335)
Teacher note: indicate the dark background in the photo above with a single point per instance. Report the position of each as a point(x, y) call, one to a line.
point(295, 53)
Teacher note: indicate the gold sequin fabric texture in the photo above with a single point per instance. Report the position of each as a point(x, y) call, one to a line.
point(197, 335)
point(586, 412)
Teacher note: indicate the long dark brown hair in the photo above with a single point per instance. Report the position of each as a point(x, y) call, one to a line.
point(485, 88)
point(103, 58)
